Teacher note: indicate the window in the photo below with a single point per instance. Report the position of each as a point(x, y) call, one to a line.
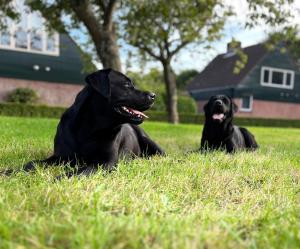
point(275, 77)
point(36, 42)
point(51, 43)
point(29, 33)
point(21, 39)
point(5, 38)
point(246, 103)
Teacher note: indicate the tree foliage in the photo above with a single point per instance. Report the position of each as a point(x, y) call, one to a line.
point(276, 14)
point(160, 29)
point(184, 77)
point(95, 17)
point(287, 42)
point(7, 10)
point(151, 81)
point(270, 12)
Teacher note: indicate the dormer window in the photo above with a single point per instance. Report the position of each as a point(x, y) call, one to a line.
point(29, 34)
point(277, 77)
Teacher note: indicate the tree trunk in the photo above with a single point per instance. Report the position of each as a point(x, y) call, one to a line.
point(103, 35)
point(108, 51)
point(171, 90)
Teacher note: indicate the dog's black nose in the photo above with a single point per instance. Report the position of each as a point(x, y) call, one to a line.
point(218, 102)
point(151, 95)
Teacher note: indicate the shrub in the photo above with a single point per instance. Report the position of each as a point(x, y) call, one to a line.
point(23, 95)
point(186, 105)
point(159, 104)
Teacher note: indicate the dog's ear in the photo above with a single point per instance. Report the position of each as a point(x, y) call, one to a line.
point(100, 81)
point(234, 106)
point(117, 78)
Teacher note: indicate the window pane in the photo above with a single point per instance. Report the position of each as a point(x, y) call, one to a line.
point(36, 21)
point(36, 42)
point(277, 78)
point(36, 38)
point(22, 26)
point(51, 44)
point(21, 38)
point(266, 75)
point(288, 79)
point(246, 102)
point(5, 38)
point(5, 35)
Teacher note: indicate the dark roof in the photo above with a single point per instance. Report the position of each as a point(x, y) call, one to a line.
point(219, 73)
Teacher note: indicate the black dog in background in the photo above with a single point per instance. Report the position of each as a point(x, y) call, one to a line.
point(101, 125)
point(219, 132)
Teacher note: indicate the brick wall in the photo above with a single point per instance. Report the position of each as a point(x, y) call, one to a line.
point(271, 109)
point(265, 109)
point(55, 94)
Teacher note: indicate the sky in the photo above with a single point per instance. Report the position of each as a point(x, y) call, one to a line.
point(235, 28)
point(198, 57)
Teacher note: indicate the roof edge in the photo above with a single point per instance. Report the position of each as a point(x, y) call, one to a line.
point(212, 89)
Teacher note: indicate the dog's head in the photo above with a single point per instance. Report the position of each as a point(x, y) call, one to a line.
point(125, 101)
point(220, 108)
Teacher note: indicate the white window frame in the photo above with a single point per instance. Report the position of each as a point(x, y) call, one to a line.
point(251, 104)
point(279, 70)
point(44, 51)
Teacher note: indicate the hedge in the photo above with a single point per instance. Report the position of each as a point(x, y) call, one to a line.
point(22, 110)
point(199, 119)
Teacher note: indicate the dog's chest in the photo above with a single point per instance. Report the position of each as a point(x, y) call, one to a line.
point(127, 142)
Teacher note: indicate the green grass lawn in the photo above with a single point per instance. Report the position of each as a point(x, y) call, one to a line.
point(183, 200)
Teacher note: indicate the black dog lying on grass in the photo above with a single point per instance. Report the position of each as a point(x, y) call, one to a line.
point(101, 125)
point(219, 132)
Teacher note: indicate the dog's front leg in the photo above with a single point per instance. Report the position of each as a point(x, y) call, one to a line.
point(230, 147)
point(53, 160)
point(150, 148)
point(109, 165)
point(92, 169)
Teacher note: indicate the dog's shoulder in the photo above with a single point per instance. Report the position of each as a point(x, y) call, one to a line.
point(74, 110)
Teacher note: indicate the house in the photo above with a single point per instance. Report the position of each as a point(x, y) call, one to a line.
point(267, 87)
point(48, 62)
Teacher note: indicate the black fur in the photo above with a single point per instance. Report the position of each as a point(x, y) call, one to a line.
point(219, 131)
point(96, 130)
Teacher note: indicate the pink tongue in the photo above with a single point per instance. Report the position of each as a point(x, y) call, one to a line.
point(138, 112)
point(219, 116)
